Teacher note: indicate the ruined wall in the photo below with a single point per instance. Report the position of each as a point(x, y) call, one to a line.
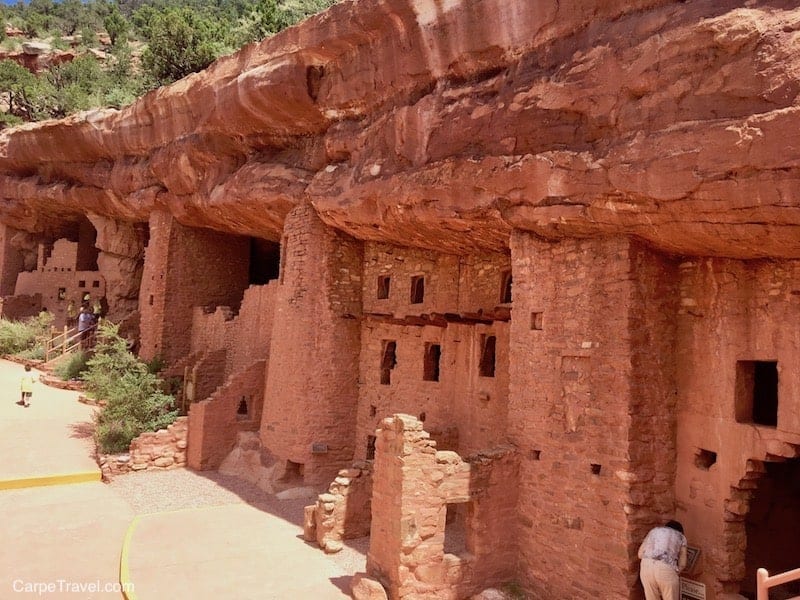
point(311, 383)
point(731, 311)
point(186, 267)
point(162, 449)
point(422, 498)
point(244, 336)
point(58, 280)
point(570, 416)
point(214, 423)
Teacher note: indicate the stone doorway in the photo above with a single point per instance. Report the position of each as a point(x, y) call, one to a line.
point(771, 526)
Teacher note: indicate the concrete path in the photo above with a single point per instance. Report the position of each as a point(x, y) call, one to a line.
point(80, 540)
point(50, 438)
point(234, 551)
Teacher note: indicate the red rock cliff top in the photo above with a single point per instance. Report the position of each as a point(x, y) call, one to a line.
point(446, 123)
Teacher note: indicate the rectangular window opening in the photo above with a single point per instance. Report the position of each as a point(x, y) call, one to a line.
point(455, 529)
point(388, 361)
point(371, 439)
point(433, 355)
point(488, 347)
point(62, 293)
point(536, 320)
point(82, 283)
point(417, 289)
point(95, 284)
point(757, 392)
point(384, 283)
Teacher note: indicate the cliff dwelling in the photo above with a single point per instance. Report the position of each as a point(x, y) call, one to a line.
point(508, 282)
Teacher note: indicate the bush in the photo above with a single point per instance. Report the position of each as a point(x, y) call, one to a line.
point(25, 336)
point(135, 401)
point(73, 367)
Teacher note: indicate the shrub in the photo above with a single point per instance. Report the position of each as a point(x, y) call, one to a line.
point(72, 367)
point(25, 336)
point(135, 402)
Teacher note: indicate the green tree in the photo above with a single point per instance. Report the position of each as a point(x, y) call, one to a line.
point(180, 42)
point(116, 25)
point(23, 89)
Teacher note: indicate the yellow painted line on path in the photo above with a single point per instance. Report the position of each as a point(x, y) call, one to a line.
point(128, 590)
point(46, 480)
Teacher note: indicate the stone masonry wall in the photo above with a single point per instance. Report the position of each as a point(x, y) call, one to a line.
point(162, 449)
point(413, 485)
point(244, 336)
point(455, 284)
point(731, 311)
point(570, 414)
point(312, 378)
point(462, 401)
point(344, 511)
point(56, 272)
point(474, 405)
point(214, 423)
point(184, 268)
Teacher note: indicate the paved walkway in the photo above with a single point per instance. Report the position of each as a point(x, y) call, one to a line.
point(66, 541)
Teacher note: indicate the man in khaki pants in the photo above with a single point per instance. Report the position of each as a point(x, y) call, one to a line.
point(663, 556)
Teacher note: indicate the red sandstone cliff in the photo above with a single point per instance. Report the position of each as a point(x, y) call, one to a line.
point(422, 121)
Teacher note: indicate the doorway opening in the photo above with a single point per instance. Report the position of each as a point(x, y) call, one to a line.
point(771, 527)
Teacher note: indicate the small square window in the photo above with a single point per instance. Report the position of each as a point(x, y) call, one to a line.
point(95, 284)
point(62, 293)
point(82, 283)
point(384, 282)
point(417, 289)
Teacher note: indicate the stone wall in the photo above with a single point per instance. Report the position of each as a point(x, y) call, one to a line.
point(162, 449)
point(440, 524)
point(474, 405)
point(245, 336)
point(184, 268)
point(215, 422)
point(731, 312)
point(570, 415)
point(344, 511)
point(59, 280)
point(460, 309)
point(312, 378)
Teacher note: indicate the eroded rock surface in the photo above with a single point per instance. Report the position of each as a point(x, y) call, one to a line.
point(446, 125)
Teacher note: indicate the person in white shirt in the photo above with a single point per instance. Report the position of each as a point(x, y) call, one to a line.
point(663, 556)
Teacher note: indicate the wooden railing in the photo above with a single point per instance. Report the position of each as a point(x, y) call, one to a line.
point(67, 341)
point(764, 581)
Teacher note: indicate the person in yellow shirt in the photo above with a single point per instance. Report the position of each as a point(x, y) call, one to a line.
point(26, 387)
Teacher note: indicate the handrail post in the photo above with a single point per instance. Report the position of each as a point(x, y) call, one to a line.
point(64, 343)
point(762, 590)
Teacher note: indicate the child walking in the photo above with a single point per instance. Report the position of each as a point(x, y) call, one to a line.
point(26, 387)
